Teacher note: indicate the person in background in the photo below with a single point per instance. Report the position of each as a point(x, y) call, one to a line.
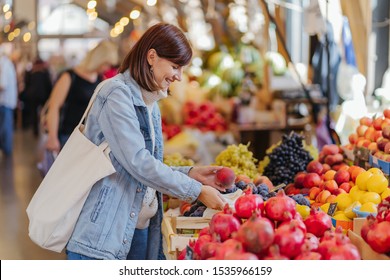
point(121, 218)
point(72, 92)
point(38, 86)
point(8, 102)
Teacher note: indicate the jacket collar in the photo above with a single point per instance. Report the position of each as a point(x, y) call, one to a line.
point(134, 87)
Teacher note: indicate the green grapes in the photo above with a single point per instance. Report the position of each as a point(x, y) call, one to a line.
point(238, 158)
point(177, 159)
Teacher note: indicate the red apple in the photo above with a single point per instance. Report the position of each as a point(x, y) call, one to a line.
point(298, 179)
point(311, 180)
point(225, 177)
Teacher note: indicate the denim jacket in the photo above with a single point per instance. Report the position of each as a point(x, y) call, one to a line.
point(107, 221)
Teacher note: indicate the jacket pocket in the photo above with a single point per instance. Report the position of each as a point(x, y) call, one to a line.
point(102, 198)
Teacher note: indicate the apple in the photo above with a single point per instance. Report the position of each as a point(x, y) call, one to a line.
point(225, 177)
point(331, 149)
point(311, 180)
point(333, 159)
point(298, 179)
point(264, 180)
point(387, 148)
point(382, 143)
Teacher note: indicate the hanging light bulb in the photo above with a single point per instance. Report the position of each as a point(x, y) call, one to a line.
point(134, 14)
point(151, 3)
point(26, 37)
point(91, 4)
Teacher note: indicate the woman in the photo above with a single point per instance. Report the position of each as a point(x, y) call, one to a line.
point(121, 218)
point(72, 92)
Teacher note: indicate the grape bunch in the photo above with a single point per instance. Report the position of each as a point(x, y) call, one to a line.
point(196, 210)
point(287, 160)
point(177, 159)
point(238, 158)
point(300, 199)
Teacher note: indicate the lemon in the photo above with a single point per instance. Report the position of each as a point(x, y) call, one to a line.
point(325, 207)
point(370, 197)
point(385, 193)
point(303, 210)
point(377, 183)
point(343, 201)
point(341, 217)
point(355, 194)
point(375, 170)
point(361, 180)
point(348, 211)
point(369, 207)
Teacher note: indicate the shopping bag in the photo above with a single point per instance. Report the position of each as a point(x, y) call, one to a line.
point(55, 207)
point(46, 162)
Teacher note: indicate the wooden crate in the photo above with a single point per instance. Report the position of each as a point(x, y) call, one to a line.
point(178, 231)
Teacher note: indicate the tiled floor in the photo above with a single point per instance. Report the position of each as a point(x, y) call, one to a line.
point(19, 178)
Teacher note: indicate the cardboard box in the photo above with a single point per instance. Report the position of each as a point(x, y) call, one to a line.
point(364, 249)
point(381, 164)
point(345, 225)
point(357, 225)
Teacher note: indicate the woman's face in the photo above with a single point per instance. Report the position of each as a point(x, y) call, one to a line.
point(165, 72)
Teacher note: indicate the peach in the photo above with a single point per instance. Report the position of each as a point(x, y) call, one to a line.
point(338, 191)
point(315, 167)
point(346, 186)
point(334, 159)
point(263, 180)
point(387, 148)
point(385, 122)
point(311, 180)
point(373, 147)
point(378, 134)
point(353, 138)
point(225, 177)
point(369, 133)
point(377, 123)
point(298, 179)
point(330, 149)
point(330, 185)
point(243, 177)
point(382, 143)
point(314, 191)
point(361, 129)
point(386, 132)
point(290, 189)
point(340, 166)
point(329, 175)
point(322, 196)
point(365, 121)
point(331, 199)
point(386, 113)
point(341, 176)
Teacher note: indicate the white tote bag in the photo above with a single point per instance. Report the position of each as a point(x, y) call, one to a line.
point(56, 205)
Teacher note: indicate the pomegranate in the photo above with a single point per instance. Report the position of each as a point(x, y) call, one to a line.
point(280, 207)
point(274, 254)
point(256, 234)
point(311, 241)
point(368, 223)
point(299, 223)
point(228, 247)
point(241, 256)
point(308, 255)
point(209, 250)
point(289, 238)
point(200, 242)
point(205, 230)
point(337, 246)
point(223, 224)
point(384, 210)
point(248, 203)
point(318, 222)
point(378, 237)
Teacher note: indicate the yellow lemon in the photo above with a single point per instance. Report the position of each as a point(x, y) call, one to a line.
point(377, 183)
point(343, 201)
point(375, 170)
point(341, 217)
point(303, 210)
point(325, 207)
point(361, 180)
point(385, 193)
point(348, 211)
point(369, 207)
point(370, 197)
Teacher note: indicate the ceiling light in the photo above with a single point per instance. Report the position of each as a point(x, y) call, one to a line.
point(134, 14)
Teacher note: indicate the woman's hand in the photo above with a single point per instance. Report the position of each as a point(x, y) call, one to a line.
point(53, 144)
point(212, 198)
point(205, 175)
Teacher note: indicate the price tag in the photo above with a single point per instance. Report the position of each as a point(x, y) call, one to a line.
point(332, 209)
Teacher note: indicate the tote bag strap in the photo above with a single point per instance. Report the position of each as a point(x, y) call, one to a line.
point(98, 88)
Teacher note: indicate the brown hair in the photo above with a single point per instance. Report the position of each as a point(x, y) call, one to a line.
point(168, 41)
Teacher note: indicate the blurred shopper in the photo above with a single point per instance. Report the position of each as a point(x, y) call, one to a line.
point(72, 92)
point(121, 218)
point(38, 86)
point(8, 102)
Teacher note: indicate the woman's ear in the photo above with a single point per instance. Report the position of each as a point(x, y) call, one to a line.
point(151, 56)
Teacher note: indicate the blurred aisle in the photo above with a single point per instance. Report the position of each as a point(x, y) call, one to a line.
point(19, 178)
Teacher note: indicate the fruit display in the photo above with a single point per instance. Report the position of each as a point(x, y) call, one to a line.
point(238, 158)
point(203, 116)
point(287, 159)
point(272, 230)
point(177, 159)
